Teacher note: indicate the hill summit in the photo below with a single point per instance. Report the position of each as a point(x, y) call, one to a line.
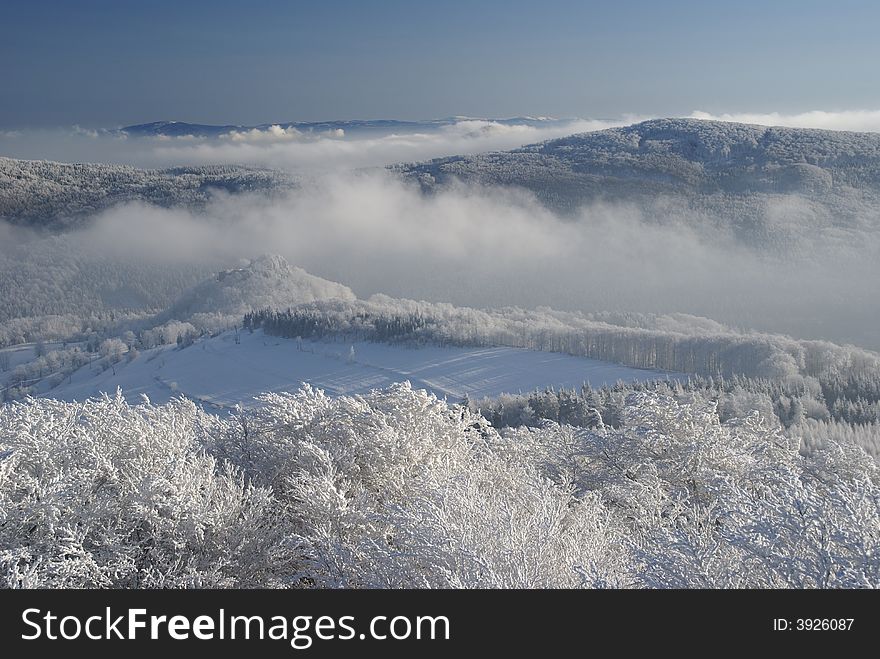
point(265, 282)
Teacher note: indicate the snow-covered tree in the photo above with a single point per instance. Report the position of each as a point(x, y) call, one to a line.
point(399, 489)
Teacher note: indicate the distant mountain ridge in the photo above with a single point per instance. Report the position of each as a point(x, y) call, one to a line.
point(184, 129)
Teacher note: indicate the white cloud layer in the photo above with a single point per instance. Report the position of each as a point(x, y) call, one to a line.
point(867, 121)
point(491, 247)
point(274, 133)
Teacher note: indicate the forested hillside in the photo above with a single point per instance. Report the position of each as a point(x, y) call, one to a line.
point(766, 186)
point(56, 195)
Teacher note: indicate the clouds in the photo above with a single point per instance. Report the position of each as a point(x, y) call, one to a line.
point(273, 133)
point(481, 246)
point(287, 148)
point(854, 120)
point(277, 149)
point(489, 247)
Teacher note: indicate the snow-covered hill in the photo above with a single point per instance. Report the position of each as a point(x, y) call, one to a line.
point(57, 195)
point(768, 186)
point(268, 282)
point(232, 368)
point(663, 154)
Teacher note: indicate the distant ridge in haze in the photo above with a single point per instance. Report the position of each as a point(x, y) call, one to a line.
point(184, 129)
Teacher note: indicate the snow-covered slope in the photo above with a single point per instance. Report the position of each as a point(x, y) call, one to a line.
point(268, 282)
point(223, 371)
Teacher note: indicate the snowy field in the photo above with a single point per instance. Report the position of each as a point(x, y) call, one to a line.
point(220, 372)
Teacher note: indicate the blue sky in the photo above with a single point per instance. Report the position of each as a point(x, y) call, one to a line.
point(100, 63)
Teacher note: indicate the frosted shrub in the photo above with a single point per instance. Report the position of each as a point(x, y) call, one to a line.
point(399, 489)
point(497, 525)
point(106, 494)
point(708, 504)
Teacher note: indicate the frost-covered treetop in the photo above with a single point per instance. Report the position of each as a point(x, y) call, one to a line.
point(397, 489)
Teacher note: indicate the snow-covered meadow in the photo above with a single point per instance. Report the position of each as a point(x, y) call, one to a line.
point(234, 367)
